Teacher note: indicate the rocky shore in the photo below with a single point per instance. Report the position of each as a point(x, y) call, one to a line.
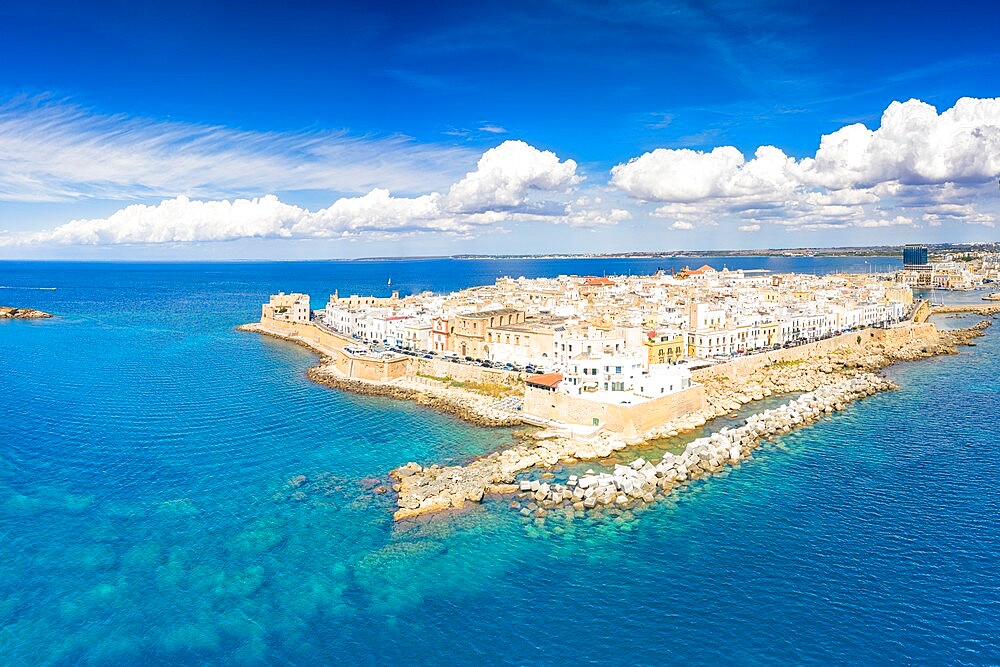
point(479, 410)
point(467, 405)
point(985, 310)
point(435, 488)
point(644, 481)
point(12, 313)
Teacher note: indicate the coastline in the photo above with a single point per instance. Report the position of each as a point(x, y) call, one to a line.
point(812, 367)
point(468, 406)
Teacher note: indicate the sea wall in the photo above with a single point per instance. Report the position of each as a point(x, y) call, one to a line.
point(627, 419)
point(367, 368)
point(332, 344)
point(855, 340)
point(321, 340)
point(464, 372)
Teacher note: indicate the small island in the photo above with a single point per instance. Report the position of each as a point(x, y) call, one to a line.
point(12, 313)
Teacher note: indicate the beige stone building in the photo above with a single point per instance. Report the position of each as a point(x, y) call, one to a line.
point(470, 330)
point(288, 307)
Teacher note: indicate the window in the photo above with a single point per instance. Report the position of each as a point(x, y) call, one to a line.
point(618, 369)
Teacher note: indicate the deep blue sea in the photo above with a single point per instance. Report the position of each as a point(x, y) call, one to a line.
point(146, 515)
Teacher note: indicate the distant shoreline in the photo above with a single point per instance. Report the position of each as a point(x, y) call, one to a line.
point(891, 251)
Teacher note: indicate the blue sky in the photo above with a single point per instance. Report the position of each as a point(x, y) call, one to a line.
point(109, 105)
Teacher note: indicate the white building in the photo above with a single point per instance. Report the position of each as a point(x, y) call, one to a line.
point(621, 378)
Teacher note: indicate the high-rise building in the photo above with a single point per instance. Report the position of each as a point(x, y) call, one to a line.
point(914, 255)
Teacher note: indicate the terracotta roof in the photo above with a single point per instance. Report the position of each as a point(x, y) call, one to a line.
point(591, 280)
point(547, 380)
point(705, 267)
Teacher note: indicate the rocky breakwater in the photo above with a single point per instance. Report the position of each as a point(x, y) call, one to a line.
point(12, 313)
point(434, 488)
point(986, 310)
point(643, 481)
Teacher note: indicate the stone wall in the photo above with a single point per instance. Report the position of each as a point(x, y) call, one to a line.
point(626, 419)
point(746, 365)
point(463, 372)
point(324, 341)
point(366, 368)
point(331, 344)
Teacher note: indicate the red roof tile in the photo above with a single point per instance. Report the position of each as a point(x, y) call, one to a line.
point(547, 380)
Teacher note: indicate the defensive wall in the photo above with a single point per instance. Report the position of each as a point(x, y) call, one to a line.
point(464, 372)
point(633, 419)
point(322, 340)
point(382, 370)
point(556, 406)
point(629, 420)
point(744, 366)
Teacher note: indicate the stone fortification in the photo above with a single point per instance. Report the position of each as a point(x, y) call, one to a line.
point(629, 420)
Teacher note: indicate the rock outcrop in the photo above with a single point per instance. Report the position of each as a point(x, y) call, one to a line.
point(11, 313)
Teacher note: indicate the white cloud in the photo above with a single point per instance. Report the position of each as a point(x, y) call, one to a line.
point(499, 190)
point(749, 228)
point(685, 175)
point(885, 221)
point(55, 151)
point(913, 145)
point(681, 225)
point(504, 175)
point(178, 220)
point(915, 159)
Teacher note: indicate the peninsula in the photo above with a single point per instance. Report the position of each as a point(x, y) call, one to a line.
point(607, 363)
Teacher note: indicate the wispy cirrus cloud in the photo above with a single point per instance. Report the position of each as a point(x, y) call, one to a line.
point(52, 150)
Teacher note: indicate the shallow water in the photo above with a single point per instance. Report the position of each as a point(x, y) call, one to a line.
point(146, 512)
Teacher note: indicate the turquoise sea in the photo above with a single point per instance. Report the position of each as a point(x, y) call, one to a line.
point(146, 515)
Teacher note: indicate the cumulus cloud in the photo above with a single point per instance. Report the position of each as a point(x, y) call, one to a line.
point(916, 159)
point(178, 220)
point(913, 145)
point(681, 225)
point(749, 228)
point(504, 175)
point(498, 190)
point(685, 175)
